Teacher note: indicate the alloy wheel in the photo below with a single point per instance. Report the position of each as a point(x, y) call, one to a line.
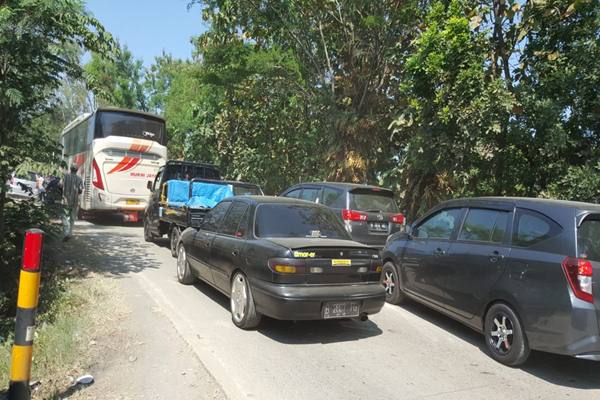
point(239, 297)
point(501, 335)
point(389, 282)
point(181, 260)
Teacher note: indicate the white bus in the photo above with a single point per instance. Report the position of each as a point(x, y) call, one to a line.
point(116, 151)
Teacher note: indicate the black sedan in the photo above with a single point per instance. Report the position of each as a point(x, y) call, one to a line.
point(283, 258)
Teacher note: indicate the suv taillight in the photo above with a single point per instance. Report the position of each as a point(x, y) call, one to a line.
point(398, 219)
point(351, 215)
point(579, 276)
point(96, 176)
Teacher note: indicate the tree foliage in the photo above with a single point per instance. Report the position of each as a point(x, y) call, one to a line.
point(434, 98)
point(36, 42)
point(117, 79)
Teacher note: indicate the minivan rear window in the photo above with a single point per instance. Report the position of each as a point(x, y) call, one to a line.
point(533, 227)
point(299, 221)
point(588, 239)
point(373, 200)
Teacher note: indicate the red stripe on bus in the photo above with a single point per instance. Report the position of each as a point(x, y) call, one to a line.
point(131, 164)
point(123, 163)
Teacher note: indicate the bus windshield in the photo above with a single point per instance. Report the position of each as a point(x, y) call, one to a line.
point(118, 123)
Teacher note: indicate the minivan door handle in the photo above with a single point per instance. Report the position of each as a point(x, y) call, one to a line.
point(495, 256)
point(439, 252)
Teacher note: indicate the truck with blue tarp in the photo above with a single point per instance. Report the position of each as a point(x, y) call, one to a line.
point(178, 202)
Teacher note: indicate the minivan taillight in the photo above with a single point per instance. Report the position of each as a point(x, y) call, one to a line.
point(579, 276)
point(97, 177)
point(351, 215)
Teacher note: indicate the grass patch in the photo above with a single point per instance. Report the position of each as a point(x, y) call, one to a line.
point(65, 324)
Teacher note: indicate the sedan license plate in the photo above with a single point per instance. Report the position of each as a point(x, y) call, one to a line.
point(378, 226)
point(132, 202)
point(340, 310)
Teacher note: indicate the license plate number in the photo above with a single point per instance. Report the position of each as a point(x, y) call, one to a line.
point(132, 202)
point(378, 226)
point(340, 310)
point(336, 262)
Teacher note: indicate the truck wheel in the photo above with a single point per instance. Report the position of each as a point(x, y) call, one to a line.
point(174, 239)
point(390, 279)
point(504, 336)
point(148, 236)
point(243, 310)
point(184, 273)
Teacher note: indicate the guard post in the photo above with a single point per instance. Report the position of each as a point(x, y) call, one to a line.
point(27, 302)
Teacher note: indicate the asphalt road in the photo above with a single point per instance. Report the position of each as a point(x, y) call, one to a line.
point(404, 352)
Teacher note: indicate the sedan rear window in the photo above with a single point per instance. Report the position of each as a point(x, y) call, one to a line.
point(588, 239)
point(293, 220)
point(373, 200)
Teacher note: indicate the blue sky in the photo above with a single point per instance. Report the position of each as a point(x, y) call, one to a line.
point(149, 26)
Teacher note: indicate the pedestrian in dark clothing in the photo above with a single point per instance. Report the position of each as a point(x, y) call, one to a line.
point(71, 189)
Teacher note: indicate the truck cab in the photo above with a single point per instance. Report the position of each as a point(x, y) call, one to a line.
point(154, 224)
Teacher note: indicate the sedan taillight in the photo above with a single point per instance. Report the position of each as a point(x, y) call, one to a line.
point(579, 276)
point(287, 265)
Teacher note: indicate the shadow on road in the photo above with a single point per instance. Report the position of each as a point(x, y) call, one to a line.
point(556, 369)
point(97, 248)
point(324, 332)
point(302, 332)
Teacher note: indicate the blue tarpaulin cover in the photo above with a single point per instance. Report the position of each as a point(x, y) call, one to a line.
point(177, 193)
point(207, 195)
point(204, 195)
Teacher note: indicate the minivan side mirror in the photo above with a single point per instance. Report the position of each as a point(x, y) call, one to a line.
point(149, 185)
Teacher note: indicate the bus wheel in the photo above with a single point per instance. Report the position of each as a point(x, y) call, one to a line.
point(174, 236)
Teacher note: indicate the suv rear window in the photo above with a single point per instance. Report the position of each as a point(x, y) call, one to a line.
point(286, 220)
point(532, 227)
point(373, 200)
point(588, 238)
point(246, 190)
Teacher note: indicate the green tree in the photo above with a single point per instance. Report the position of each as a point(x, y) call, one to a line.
point(158, 80)
point(117, 79)
point(33, 36)
point(500, 100)
point(346, 51)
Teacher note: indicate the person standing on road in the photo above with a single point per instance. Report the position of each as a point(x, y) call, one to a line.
point(39, 184)
point(72, 188)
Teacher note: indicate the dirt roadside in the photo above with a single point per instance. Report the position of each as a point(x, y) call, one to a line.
point(134, 351)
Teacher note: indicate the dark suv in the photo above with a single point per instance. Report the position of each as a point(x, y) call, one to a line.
point(525, 272)
point(369, 213)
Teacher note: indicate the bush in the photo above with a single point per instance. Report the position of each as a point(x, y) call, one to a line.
point(20, 216)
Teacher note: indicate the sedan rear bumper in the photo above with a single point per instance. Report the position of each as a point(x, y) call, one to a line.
point(305, 302)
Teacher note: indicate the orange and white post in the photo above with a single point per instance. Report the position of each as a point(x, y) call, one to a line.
point(27, 302)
